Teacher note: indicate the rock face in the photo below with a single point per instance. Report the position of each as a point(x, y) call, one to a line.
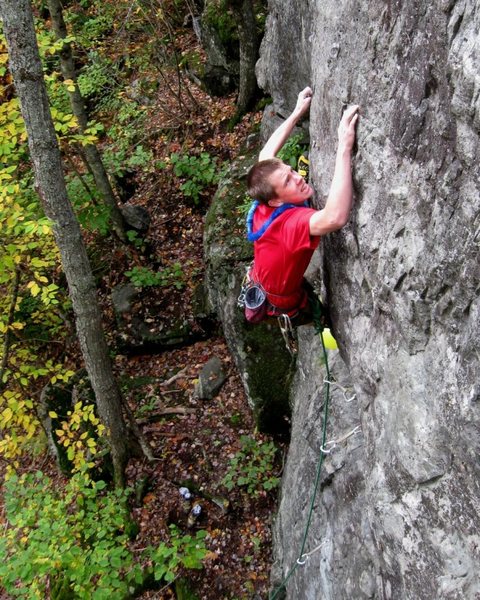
point(221, 71)
point(399, 505)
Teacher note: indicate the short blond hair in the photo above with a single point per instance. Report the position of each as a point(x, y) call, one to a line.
point(258, 180)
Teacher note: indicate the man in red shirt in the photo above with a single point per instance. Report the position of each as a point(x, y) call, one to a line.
point(284, 230)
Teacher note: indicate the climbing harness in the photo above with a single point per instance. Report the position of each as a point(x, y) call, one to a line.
point(253, 299)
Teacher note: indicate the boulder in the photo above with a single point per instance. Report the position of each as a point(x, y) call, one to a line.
point(139, 329)
point(210, 379)
point(220, 73)
point(136, 217)
point(123, 297)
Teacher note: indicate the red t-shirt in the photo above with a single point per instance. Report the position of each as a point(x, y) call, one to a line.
point(282, 254)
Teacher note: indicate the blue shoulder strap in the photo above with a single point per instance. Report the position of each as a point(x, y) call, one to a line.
point(254, 236)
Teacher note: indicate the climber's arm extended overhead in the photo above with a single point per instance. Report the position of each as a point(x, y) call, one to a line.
point(281, 134)
point(339, 201)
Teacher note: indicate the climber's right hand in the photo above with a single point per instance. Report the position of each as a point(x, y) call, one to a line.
point(346, 129)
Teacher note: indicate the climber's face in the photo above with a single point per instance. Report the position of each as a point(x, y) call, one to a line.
point(289, 186)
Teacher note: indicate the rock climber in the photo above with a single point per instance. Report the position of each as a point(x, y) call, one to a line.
point(284, 230)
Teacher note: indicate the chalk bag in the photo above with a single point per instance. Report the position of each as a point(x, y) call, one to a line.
point(255, 303)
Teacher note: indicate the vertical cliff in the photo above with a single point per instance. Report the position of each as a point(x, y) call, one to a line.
point(399, 504)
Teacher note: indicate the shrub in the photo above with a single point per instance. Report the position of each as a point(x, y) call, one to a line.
point(292, 149)
point(199, 172)
point(252, 467)
point(75, 542)
point(169, 276)
point(92, 213)
point(95, 80)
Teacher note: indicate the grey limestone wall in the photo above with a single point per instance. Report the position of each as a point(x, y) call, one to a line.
point(402, 280)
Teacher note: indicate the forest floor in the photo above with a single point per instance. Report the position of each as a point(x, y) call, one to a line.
point(194, 449)
point(195, 446)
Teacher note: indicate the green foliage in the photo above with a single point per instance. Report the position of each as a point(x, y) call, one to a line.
point(184, 550)
point(79, 432)
point(140, 158)
point(261, 14)
point(76, 541)
point(199, 171)
point(92, 213)
point(95, 79)
point(12, 135)
point(242, 209)
point(95, 28)
point(95, 217)
point(292, 149)
point(169, 276)
point(72, 538)
point(28, 252)
point(126, 154)
point(218, 14)
point(252, 467)
point(28, 255)
point(92, 24)
point(135, 239)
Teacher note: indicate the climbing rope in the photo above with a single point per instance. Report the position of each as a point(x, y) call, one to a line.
point(304, 556)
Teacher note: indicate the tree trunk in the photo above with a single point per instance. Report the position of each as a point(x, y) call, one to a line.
point(50, 183)
point(77, 103)
point(249, 43)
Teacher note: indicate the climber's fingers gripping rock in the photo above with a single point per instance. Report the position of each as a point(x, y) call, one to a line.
point(346, 129)
point(303, 101)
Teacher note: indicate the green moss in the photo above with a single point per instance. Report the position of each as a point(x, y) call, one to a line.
point(225, 223)
point(270, 370)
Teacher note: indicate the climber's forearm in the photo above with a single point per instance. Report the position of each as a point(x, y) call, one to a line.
point(339, 200)
point(282, 133)
point(278, 138)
